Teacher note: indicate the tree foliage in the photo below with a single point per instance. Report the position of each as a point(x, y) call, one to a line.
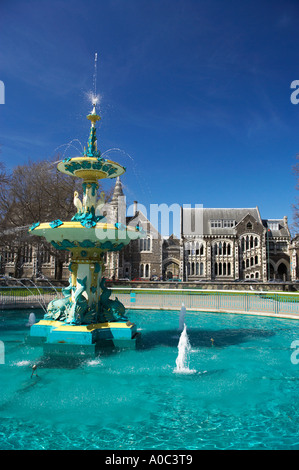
point(36, 192)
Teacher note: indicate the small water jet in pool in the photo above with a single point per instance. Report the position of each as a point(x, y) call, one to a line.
point(182, 317)
point(182, 360)
point(31, 319)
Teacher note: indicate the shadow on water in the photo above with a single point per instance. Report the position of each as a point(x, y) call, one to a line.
point(60, 362)
point(201, 338)
point(151, 339)
point(68, 361)
point(17, 321)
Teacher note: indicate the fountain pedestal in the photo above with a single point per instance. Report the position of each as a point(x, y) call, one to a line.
point(86, 317)
point(59, 338)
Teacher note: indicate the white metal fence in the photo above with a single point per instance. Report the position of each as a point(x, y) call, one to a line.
point(230, 301)
point(271, 303)
point(31, 297)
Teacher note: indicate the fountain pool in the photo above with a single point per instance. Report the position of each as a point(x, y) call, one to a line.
point(243, 393)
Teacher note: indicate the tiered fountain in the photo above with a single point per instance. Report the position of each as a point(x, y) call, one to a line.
point(86, 317)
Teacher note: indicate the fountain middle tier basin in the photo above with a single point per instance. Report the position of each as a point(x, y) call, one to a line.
point(58, 338)
point(70, 235)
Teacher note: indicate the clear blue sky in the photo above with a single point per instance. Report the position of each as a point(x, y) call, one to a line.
point(197, 92)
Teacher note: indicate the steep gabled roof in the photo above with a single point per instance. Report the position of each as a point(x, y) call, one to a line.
point(205, 215)
point(140, 219)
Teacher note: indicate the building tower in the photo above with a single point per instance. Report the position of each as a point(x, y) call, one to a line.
point(117, 214)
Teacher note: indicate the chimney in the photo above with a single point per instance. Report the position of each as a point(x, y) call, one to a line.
point(285, 223)
point(135, 208)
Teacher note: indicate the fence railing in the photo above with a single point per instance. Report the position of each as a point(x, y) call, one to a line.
point(201, 300)
point(276, 303)
point(22, 297)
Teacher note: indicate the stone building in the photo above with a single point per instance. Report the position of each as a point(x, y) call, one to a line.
point(214, 245)
point(232, 244)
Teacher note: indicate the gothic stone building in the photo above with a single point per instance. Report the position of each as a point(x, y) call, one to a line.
point(214, 244)
point(232, 244)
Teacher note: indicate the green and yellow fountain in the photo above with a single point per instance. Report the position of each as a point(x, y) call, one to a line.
point(86, 317)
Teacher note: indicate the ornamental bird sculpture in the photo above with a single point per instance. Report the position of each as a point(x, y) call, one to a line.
point(77, 202)
point(100, 203)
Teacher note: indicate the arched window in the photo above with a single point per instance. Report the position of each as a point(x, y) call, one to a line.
point(220, 248)
point(201, 269)
point(224, 248)
point(220, 269)
point(45, 257)
point(215, 249)
point(141, 270)
point(146, 270)
point(224, 269)
point(228, 249)
point(201, 249)
point(193, 269)
point(256, 259)
point(247, 263)
point(228, 269)
point(251, 261)
point(243, 244)
point(197, 269)
point(257, 275)
point(187, 248)
point(197, 248)
point(251, 241)
point(188, 269)
point(247, 243)
point(145, 244)
point(216, 269)
point(256, 241)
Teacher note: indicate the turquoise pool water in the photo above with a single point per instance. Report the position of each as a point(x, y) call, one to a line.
point(242, 395)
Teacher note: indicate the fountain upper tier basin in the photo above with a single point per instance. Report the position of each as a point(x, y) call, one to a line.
point(90, 168)
point(72, 235)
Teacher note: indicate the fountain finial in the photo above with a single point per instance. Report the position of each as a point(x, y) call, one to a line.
point(92, 140)
point(93, 116)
